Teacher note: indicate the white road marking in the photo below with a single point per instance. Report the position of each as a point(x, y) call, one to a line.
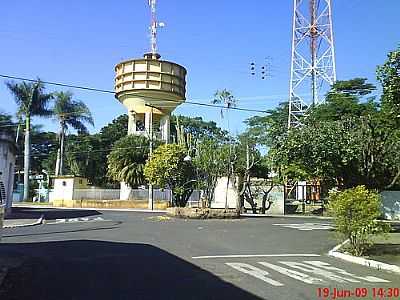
point(254, 271)
point(293, 274)
point(327, 266)
point(74, 220)
point(255, 255)
point(307, 226)
point(327, 271)
point(302, 266)
point(319, 268)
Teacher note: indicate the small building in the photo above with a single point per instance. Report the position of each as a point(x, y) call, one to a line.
point(8, 152)
point(64, 186)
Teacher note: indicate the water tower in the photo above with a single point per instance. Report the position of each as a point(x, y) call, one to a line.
point(150, 88)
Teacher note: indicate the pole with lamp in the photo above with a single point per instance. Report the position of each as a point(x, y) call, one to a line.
point(48, 184)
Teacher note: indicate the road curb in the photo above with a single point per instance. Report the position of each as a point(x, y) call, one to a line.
point(285, 216)
point(164, 211)
point(361, 260)
point(96, 209)
point(38, 222)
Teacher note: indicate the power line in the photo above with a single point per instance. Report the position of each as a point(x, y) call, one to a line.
point(112, 92)
point(9, 125)
point(87, 151)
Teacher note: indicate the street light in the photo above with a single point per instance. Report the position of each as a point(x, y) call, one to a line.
point(48, 184)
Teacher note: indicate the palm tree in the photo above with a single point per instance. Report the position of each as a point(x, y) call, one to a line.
point(226, 98)
point(32, 101)
point(69, 112)
point(229, 101)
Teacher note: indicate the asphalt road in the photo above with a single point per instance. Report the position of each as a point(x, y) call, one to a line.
point(125, 255)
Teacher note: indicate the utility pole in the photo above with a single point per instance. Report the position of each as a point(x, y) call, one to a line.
point(313, 68)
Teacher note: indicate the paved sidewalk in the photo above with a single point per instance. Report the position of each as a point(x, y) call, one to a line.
point(17, 219)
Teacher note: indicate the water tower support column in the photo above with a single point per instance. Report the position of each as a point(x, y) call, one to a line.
point(132, 122)
point(148, 123)
point(165, 124)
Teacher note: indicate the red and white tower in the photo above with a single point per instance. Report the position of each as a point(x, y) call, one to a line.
point(313, 68)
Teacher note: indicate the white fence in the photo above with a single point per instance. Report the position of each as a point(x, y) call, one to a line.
point(137, 194)
point(95, 194)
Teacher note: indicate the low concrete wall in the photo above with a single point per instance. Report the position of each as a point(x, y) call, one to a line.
point(203, 213)
point(109, 204)
point(276, 196)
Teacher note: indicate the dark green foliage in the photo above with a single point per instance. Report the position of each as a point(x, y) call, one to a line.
point(7, 125)
point(344, 100)
point(268, 130)
point(389, 76)
point(115, 130)
point(198, 128)
point(127, 160)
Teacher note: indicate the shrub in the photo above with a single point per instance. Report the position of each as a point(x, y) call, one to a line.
point(168, 169)
point(356, 211)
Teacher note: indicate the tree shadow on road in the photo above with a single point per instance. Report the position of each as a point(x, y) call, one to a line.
point(88, 269)
point(50, 213)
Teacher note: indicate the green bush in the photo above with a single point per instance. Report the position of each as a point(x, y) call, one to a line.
point(355, 212)
point(169, 169)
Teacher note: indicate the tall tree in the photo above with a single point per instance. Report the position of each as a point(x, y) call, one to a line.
point(346, 99)
point(6, 123)
point(229, 101)
point(346, 141)
point(115, 130)
point(267, 130)
point(69, 113)
point(32, 100)
point(198, 128)
point(210, 161)
point(389, 76)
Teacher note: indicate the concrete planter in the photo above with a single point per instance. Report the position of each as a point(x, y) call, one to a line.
point(2, 212)
point(203, 213)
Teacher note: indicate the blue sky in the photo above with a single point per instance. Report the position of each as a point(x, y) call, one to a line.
point(79, 42)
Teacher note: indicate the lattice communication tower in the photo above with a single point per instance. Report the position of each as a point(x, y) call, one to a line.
point(313, 68)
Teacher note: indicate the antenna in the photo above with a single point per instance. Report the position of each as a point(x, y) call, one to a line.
point(154, 25)
point(313, 66)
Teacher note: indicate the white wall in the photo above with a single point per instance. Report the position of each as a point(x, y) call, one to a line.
point(276, 196)
point(221, 193)
point(391, 204)
point(63, 189)
point(7, 163)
